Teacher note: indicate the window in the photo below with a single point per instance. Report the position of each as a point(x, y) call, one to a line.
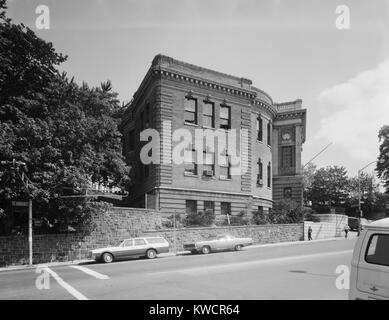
point(269, 133)
point(140, 242)
point(377, 251)
point(260, 172)
point(208, 114)
point(225, 166)
point(155, 240)
point(131, 140)
point(209, 163)
point(287, 157)
point(269, 175)
point(190, 110)
point(225, 208)
point(127, 243)
point(225, 117)
point(190, 160)
point(288, 193)
point(209, 206)
point(190, 206)
point(260, 209)
point(259, 128)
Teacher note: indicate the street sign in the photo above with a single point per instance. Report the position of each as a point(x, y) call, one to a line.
point(19, 203)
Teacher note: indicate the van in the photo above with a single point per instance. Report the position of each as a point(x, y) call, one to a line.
point(369, 278)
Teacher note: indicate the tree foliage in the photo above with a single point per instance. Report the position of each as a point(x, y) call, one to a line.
point(65, 133)
point(383, 159)
point(329, 186)
point(308, 177)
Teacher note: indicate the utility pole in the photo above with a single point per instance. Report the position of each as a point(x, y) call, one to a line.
point(30, 230)
point(359, 195)
point(174, 232)
point(15, 165)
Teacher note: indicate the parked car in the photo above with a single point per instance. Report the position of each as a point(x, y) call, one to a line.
point(136, 247)
point(222, 242)
point(370, 263)
point(353, 223)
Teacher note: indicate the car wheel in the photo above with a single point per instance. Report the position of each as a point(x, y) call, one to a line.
point(205, 250)
point(238, 247)
point(151, 254)
point(194, 251)
point(107, 257)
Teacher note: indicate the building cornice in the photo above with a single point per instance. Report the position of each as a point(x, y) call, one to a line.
point(160, 69)
point(294, 114)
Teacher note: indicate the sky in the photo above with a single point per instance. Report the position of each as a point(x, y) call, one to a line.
point(290, 49)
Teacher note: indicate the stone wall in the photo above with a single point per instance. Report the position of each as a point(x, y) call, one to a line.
point(110, 228)
point(260, 234)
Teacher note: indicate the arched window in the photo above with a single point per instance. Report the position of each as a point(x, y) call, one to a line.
point(259, 128)
point(260, 172)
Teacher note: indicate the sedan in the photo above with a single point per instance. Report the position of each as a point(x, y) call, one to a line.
point(219, 243)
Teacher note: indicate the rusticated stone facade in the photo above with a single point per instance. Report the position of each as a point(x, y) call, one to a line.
point(276, 132)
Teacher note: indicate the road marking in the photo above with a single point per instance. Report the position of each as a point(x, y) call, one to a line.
point(237, 265)
point(91, 272)
point(75, 293)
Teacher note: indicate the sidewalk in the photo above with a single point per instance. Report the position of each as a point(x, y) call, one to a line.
point(171, 254)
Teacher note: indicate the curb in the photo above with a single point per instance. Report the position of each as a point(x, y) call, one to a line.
point(170, 254)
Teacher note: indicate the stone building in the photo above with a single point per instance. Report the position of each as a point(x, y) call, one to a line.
point(175, 95)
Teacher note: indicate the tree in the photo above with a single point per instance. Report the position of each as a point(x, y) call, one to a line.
point(308, 177)
point(383, 158)
point(287, 211)
point(67, 134)
point(329, 187)
point(367, 188)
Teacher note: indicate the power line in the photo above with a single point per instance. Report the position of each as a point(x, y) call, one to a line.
point(317, 155)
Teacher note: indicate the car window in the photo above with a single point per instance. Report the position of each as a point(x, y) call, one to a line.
point(140, 242)
point(126, 243)
point(378, 250)
point(224, 237)
point(155, 240)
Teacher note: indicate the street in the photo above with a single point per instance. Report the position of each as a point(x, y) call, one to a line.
point(292, 271)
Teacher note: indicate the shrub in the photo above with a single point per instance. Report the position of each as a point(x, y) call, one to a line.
point(201, 219)
point(244, 218)
point(287, 211)
point(308, 215)
point(168, 222)
point(260, 217)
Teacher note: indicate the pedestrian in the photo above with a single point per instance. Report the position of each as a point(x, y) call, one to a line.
point(346, 230)
point(309, 233)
